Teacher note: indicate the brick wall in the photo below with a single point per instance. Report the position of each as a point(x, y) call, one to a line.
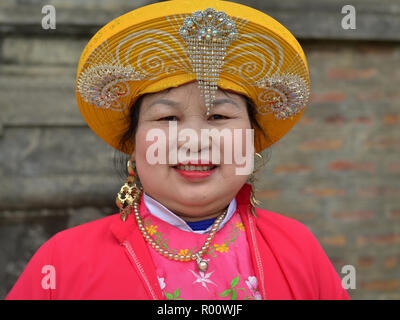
point(337, 171)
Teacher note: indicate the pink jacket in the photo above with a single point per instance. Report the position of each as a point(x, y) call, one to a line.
point(109, 259)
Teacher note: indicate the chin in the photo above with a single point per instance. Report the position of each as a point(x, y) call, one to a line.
point(196, 197)
point(202, 198)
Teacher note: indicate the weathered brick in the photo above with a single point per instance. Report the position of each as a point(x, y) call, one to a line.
point(308, 216)
point(391, 262)
point(267, 194)
point(381, 285)
point(335, 119)
point(305, 120)
point(391, 119)
point(386, 239)
point(364, 120)
point(324, 192)
point(394, 214)
point(370, 96)
point(327, 97)
point(394, 96)
point(292, 168)
point(384, 143)
point(351, 74)
point(374, 50)
point(353, 216)
point(345, 165)
point(365, 261)
point(378, 191)
point(334, 241)
point(320, 144)
point(393, 168)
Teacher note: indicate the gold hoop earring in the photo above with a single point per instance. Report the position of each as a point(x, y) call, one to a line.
point(254, 202)
point(129, 193)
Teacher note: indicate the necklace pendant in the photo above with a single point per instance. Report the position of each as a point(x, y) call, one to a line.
point(202, 264)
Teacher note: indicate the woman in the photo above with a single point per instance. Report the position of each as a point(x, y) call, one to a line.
point(185, 88)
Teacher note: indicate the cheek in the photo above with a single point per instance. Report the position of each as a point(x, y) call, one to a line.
point(239, 148)
point(144, 155)
point(141, 146)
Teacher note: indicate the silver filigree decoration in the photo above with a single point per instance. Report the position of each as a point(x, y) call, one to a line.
point(285, 95)
point(105, 84)
point(207, 34)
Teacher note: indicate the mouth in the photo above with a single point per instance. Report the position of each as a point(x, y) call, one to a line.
point(195, 167)
point(193, 171)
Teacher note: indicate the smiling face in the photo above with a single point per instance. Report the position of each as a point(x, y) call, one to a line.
point(192, 192)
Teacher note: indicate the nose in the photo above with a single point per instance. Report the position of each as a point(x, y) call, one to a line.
point(193, 141)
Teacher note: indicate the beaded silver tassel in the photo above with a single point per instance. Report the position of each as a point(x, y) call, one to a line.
point(207, 34)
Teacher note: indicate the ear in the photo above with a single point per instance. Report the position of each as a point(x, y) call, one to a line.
point(133, 156)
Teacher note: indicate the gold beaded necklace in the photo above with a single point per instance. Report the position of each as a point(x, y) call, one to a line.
point(201, 263)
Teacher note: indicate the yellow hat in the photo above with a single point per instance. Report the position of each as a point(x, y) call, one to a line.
point(170, 43)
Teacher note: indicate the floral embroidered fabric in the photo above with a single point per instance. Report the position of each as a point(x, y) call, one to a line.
point(230, 274)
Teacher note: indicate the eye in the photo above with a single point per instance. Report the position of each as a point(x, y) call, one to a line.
point(218, 117)
point(168, 118)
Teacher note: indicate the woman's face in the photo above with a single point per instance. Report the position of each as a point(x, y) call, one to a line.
point(186, 191)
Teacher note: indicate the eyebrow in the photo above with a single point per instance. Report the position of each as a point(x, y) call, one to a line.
point(172, 103)
point(164, 101)
point(223, 101)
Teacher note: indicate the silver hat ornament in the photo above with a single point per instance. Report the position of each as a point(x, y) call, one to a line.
point(207, 34)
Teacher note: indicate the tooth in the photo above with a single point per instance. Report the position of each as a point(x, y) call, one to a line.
point(194, 168)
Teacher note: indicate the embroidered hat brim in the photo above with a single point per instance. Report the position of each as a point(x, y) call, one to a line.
point(144, 51)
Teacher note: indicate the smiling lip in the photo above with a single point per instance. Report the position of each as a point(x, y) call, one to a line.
point(195, 174)
point(196, 163)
